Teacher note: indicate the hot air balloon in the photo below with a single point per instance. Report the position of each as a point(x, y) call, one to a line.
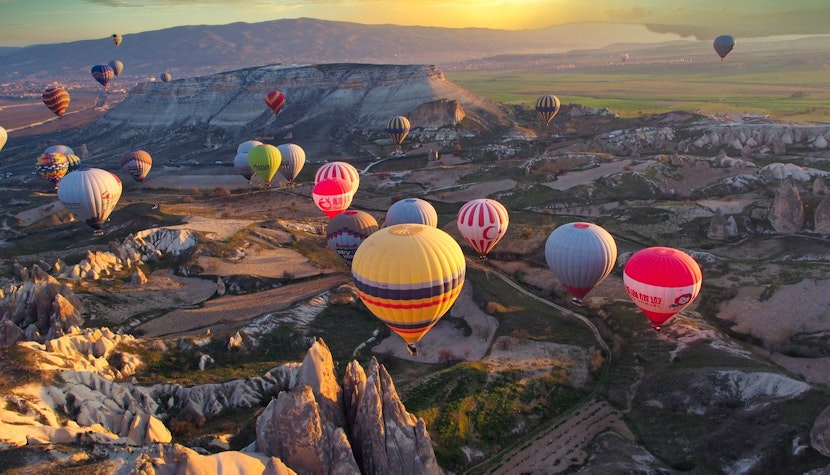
point(64, 149)
point(409, 275)
point(340, 170)
point(264, 160)
point(166, 77)
point(52, 166)
point(293, 159)
point(275, 101)
point(56, 99)
point(411, 211)
point(74, 162)
point(116, 38)
point(397, 128)
point(138, 164)
point(90, 195)
point(240, 161)
point(580, 255)
point(246, 146)
point(624, 57)
point(662, 281)
point(332, 196)
point(723, 45)
point(346, 231)
point(117, 67)
point(547, 106)
point(482, 222)
point(103, 73)
point(4, 137)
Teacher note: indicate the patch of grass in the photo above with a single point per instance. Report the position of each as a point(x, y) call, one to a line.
point(18, 366)
point(344, 328)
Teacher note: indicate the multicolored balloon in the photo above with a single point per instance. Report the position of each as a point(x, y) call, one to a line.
point(332, 196)
point(482, 222)
point(411, 211)
point(409, 276)
point(293, 159)
point(52, 166)
point(56, 99)
point(346, 231)
point(74, 162)
point(547, 106)
point(90, 195)
point(275, 100)
point(116, 38)
point(342, 170)
point(166, 77)
point(581, 255)
point(723, 45)
point(103, 73)
point(138, 164)
point(662, 281)
point(264, 160)
point(117, 67)
point(398, 128)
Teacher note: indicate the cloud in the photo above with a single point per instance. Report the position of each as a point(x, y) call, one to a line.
point(632, 13)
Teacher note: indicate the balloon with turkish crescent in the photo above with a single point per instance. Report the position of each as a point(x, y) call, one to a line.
point(411, 210)
point(90, 195)
point(409, 276)
point(547, 106)
point(346, 231)
point(342, 170)
point(332, 196)
point(275, 100)
point(581, 255)
point(56, 99)
point(482, 223)
point(662, 281)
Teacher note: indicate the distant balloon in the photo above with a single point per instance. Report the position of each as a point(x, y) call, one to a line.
point(346, 231)
point(52, 166)
point(409, 276)
point(4, 137)
point(74, 163)
point(90, 195)
point(240, 161)
point(547, 106)
point(138, 164)
point(117, 67)
point(246, 147)
point(411, 211)
point(398, 128)
point(265, 160)
point(624, 57)
point(482, 222)
point(116, 38)
point(166, 77)
point(103, 73)
point(332, 196)
point(293, 159)
point(341, 170)
point(662, 281)
point(275, 101)
point(60, 149)
point(580, 255)
point(723, 45)
point(56, 99)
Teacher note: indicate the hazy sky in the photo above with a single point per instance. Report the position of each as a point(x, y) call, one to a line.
point(24, 22)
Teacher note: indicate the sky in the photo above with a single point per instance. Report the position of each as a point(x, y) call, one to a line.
point(26, 22)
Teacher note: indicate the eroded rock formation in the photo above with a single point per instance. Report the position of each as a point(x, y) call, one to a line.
point(787, 211)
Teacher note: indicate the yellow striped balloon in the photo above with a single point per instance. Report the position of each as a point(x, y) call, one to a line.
point(547, 106)
point(398, 128)
point(409, 275)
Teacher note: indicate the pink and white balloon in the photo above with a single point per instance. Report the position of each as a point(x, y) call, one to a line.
point(483, 222)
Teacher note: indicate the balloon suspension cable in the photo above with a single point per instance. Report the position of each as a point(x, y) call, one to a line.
point(413, 350)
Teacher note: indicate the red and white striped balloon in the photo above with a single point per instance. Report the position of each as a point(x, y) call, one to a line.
point(344, 171)
point(483, 222)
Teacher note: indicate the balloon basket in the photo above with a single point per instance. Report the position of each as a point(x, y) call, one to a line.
point(413, 350)
point(98, 233)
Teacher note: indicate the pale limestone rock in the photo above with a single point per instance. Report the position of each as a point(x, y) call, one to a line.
point(786, 213)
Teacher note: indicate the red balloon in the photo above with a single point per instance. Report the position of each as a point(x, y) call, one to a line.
point(662, 281)
point(332, 196)
point(275, 101)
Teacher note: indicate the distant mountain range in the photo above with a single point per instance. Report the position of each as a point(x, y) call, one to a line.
point(199, 50)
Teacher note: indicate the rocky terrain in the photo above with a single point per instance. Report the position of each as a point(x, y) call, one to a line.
point(182, 326)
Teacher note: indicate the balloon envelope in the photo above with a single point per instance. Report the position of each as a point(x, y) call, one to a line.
point(580, 255)
point(346, 231)
point(103, 73)
point(4, 137)
point(411, 211)
point(662, 281)
point(52, 166)
point(332, 196)
point(90, 194)
point(246, 147)
point(482, 222)
point(293, 159)
point(116, 38)
point(342, 170)
point(723, 45)
point(409, 275)
point(264, 160)
point(74, 162)
point(398, 128)
point(56, 99)
point(60, 149)
point(117, 67)
point(624, 57)
point(547, 106)
point(275, 100)
point(240, 165)
point(166, 77)
point(138, 164)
